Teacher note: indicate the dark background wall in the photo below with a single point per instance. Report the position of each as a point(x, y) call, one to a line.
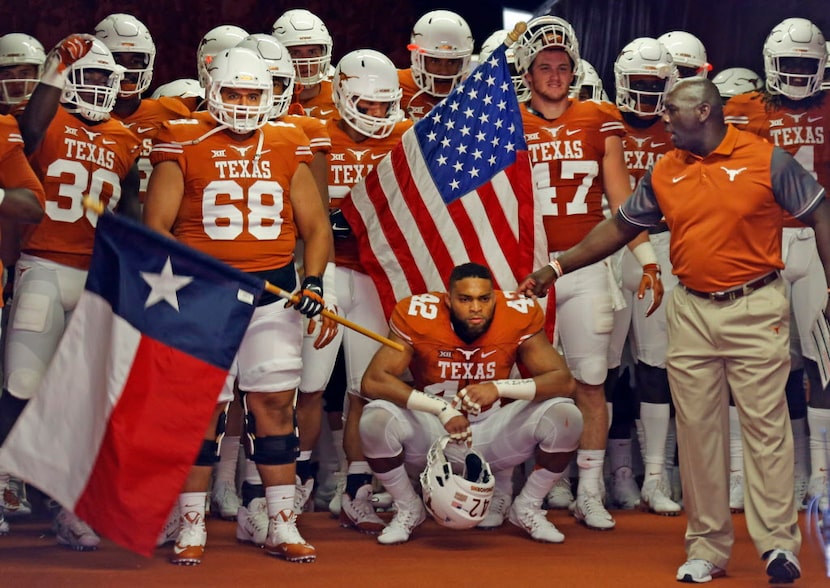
point(732, 30)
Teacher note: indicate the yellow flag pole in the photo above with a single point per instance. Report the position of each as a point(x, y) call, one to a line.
point(98, 207)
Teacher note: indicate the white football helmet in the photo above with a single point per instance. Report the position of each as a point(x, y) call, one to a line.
point(124, 33)
point(795, 54)
point(367, 75)
point(457, 501)
point(183, 88)
point(440, 34)
point(543, 32)
point(279, 63)
point(19, 49)
point(299, 27)
point(737, 80)
point(644, 72)
point(688, 54)
point(92, 83)
point(241, 68)
point(825, 85)
point(590, 86)
point(492, 43)
point(216, 40)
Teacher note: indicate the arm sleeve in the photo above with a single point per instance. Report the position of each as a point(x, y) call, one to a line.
point(641, 209)
point(795, 189)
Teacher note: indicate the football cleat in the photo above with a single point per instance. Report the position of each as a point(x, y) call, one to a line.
point(534, 522)
point(285, 541)
point(408, 516)
point(302, 494)
point(499, 507)
point(589, 510)
point(190, 543)
point(171, 528)
point(800, 486)
point(358, 512)
point(334, 505)
point(624, 491)
point(74, 533)
point(252, 522)
point(13, 499)
point(655, 498)
point(224, 500)
point(560, 496)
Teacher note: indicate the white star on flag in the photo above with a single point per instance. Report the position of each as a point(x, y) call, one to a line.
point(164, 286)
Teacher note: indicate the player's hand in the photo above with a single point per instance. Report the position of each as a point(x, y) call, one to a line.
point(475, 397)
point(456, 424)
point(311, 297)
point(328, 328)
point(72, 48)
point(651, 281)
point(339, 226)
point(538, 283)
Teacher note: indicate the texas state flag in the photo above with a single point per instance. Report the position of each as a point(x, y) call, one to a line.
point(126, 401)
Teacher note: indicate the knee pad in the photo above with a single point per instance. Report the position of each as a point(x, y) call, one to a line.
point(380, 433)
point(560, 428)
point(796, 395)
point(592, 370)
point(276, 449)
point(208, 453)
point(24, 382)
point(653, 384)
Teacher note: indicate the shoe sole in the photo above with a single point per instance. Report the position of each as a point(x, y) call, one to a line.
point(646, 507)
point(593, 528)
point(298, 559)
point(77, 547)
point(687, 579)
point(185, 562)
point(348, 523)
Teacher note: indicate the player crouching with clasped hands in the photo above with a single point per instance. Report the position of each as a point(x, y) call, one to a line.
point(460, 347)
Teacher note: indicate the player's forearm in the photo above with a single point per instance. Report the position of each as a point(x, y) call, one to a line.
point(385, 386)
point(21, 205)
point(603, 240)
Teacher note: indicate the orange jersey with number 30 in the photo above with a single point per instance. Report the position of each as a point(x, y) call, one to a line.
point(441, 362)
point(76, 159)
point(236, 205)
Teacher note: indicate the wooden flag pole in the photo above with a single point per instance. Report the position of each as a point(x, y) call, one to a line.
point(98, 207)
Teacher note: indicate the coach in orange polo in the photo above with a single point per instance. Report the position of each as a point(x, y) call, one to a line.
point(722, 192)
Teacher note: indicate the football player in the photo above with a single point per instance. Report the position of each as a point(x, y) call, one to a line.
point(235, 186)
point(460, 347)
point(309, 43)
point(577, 155)
point(688, 54)
point(441, 47)
point(76, 150)
point(367, 97)
point(793, 113)
point(21, 62)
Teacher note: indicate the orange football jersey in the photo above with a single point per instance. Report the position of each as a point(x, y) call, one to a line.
point(566, 155)
point(349, 162)
point(314, 129)
point(145, 123)
point(802, 132)
point(73, 160)
point(441, 362)
point(415, 103)
point(236, 205)
point(322, 105)
point(643, 144)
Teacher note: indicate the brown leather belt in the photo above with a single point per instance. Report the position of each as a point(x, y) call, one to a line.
point(734, 293)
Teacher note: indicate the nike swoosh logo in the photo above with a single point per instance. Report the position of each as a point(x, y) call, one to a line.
point(657, 144)
point(677, 179)
point(572, 132)
point(488, 354)
point(325, 112)
point(814, 118)
point(336, 227)
point(378, 156)
point(108, 142)
point(144, 129)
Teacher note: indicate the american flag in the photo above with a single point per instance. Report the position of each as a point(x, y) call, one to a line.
point(456, 189)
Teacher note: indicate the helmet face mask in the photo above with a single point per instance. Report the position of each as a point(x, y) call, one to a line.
point(21, 64)
point(795, 55)
point(644, 72)
point(457, 501)
point(92, 84)
point(308, 41)
point(132, 47)
point(280, 66)
point(548, 32)
point(240, 69)
point(441, 47)
point(365, 76)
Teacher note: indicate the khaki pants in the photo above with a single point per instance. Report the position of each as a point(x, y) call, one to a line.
point(740, 346)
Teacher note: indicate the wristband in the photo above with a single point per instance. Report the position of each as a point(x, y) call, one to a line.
point(644, 253)
point(328, 284)
point(425, 402)
point(556, 267)
point(516, 389)
point(2, 195)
